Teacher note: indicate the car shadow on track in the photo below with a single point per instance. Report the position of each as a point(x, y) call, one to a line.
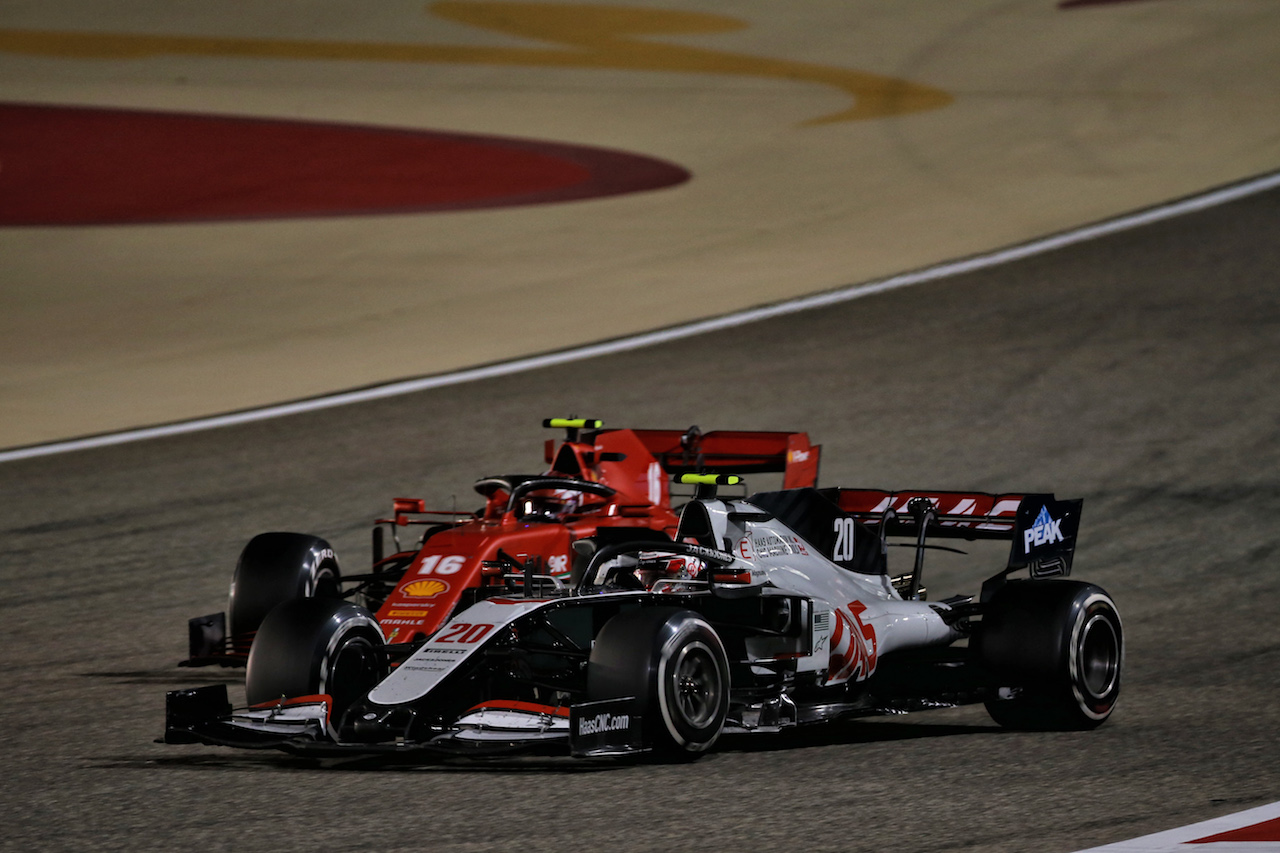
point(849, 733)
point(257, 762)
point(838, 733)
point(176, 678)
point(835, 734)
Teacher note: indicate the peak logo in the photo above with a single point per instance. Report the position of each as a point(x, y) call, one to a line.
point(1045, 531)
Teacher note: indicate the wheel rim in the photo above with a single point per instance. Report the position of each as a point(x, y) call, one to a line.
point(697, 685)
point(1099, 656)
point(352, 672)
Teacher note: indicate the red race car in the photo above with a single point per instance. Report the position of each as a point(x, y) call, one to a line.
point(604, 486)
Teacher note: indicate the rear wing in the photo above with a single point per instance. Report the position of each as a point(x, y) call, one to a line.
point(845, 525)
point(960, 515)
point(735, 452)
point(1042, 529)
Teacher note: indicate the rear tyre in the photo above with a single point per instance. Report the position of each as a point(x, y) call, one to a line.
point(316, 645)
point(1061, 645)
point(278, 567)
point(674, 664)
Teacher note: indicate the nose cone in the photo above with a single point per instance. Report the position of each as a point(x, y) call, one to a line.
point(369, 722)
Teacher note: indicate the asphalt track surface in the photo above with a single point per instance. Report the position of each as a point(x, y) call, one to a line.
point(1137, 371)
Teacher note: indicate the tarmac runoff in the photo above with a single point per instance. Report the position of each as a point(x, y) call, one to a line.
point(1137, 219)
point(843, 144)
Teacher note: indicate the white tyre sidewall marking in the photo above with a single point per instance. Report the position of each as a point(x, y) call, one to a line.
point(1083, 619)
point(664, 660)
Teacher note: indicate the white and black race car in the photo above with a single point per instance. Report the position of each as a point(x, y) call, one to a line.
point(763, 614)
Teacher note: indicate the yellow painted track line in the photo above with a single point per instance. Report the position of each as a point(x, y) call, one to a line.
point(596, 38)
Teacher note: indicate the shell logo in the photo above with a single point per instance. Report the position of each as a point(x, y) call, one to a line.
point(425, 588)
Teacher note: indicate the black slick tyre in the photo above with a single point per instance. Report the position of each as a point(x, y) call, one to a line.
point(674, 664)
point(278, 567)
point(316, 645)
point(1060, 645)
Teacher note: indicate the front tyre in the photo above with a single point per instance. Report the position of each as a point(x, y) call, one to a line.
point(674, 664)
point(278, 567)
point(1061, 643)
point(316, 645)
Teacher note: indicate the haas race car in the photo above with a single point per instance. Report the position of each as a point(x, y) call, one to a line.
point(757, 615)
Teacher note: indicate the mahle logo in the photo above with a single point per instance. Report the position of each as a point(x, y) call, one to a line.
point(1045, 531)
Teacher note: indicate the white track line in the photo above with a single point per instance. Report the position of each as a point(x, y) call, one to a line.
point(1188, 839)
point(1213, 198)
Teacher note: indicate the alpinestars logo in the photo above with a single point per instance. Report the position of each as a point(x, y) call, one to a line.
point(1045, 531)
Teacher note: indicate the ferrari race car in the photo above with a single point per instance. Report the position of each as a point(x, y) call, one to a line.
point(759, 615)
point(604, 486)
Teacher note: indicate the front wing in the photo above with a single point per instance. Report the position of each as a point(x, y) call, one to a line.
point(303, 726)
